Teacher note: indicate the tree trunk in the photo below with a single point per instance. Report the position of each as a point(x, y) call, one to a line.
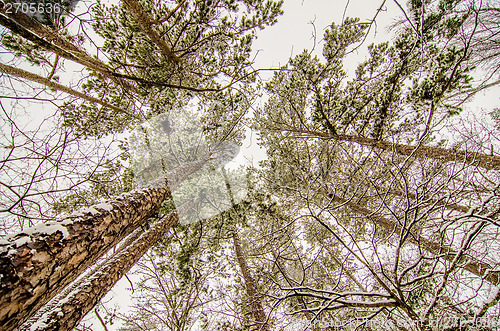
point(34, 31)
point(447, 155)
point(40, 261)
point(56, 302)
point(84, 297)
point(470, 264)
point(88, 62)
point(12, 71)
point(438, 202)
point(257, 310)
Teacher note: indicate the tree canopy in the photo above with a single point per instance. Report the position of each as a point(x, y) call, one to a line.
point(377, 206)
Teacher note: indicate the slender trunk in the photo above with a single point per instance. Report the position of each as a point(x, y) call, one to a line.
point(32, 30)
point(470, 264)
point(136, 10)
point(40, 261)
point(447, 155)
point(257, 310)
point(56, 86)
point(89, 62)
point(438, 153)
point(79, 302)
point(438, 202)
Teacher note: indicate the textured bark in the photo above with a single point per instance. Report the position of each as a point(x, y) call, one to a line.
point(59, 298)
point(39, 262)
point(255, 301)
point(12, 71)
point(469, 263)
point(83, 298)
point(136, 10)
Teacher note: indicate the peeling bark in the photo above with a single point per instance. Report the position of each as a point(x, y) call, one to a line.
point(40, 261)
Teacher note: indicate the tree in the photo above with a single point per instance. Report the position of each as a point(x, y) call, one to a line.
point(364, 212)
point(50, 255)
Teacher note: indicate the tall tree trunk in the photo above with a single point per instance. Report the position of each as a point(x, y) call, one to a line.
point(40, 261)
point(57, 301)
point(12, 71)
point(258, 312)
point(438, 153)
point(441, 202)
point(470, 264)
point(51, 40)
point(79, 57)
point(447, 155)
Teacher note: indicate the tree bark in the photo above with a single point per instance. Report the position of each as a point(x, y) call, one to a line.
point(481, 160)
point(257, 310)
point(28, 28)
point(84, 297)
point(40, 261)
point(469, 263)
point(55, 302)
point(69, 53)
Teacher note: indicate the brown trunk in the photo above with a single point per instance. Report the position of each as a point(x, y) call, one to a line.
point(256, 304)
point(470, 264)
point(136, 10)
point(447, 155)
point(437, 202)
point(79, 302)
point(12, 71)
point(39, 262)
point(58, 299)
point(257, 310)
point(443, 154)
point(87, 61)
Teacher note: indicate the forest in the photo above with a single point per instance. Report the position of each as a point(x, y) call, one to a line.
point(129, 200)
